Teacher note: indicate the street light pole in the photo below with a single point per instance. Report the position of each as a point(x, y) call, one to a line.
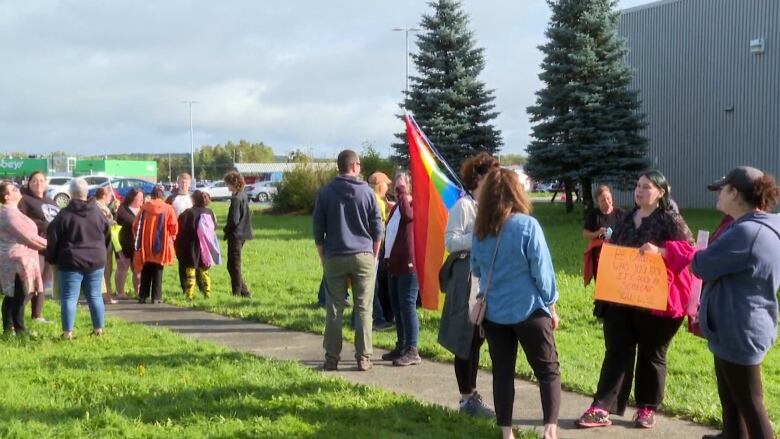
point(406, 31)
point(192, 141)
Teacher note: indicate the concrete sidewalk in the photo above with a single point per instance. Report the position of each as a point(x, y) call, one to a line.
point(431, 382)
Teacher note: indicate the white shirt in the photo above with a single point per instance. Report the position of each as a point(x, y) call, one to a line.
point(392, 232)
point(181, 203)
point(460, 225)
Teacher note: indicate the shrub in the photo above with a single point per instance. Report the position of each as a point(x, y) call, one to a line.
point(297, 192)
point(371, 161)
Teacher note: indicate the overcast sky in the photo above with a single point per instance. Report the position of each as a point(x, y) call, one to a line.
point(94, 76)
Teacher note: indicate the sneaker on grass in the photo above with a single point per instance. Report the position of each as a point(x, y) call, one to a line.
point(474, 406)
point(594, 417)
point(644, 417)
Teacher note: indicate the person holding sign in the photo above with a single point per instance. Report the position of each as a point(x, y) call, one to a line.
point(510, 257)
point(639, 334)
point(738, 310)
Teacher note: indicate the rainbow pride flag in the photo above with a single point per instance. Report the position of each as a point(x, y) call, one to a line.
point(433, 194)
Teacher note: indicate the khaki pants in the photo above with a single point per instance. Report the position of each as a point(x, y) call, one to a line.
point(360, 271)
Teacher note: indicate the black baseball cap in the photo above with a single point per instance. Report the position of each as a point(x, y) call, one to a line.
point(741, 178)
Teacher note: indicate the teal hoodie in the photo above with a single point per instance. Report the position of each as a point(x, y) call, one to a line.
point(741, 274)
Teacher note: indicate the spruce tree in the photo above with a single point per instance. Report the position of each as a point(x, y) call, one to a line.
point(586, 119)
point(449, 102)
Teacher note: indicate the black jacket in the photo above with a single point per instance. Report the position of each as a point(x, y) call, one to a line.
point(187, 244)
point(125, 218)
point(77, 238)
point(239, 220)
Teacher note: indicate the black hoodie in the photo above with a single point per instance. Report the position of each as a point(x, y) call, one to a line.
point(77, 238)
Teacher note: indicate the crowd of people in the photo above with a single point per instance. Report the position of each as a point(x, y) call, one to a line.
point(498, 251)
point(73, 250)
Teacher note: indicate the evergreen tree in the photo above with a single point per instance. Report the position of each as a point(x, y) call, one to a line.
point(586, 119)
point(449, 102)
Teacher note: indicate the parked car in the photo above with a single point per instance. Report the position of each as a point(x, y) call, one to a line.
point(59, 187)
point(262, 191)
point(123, 185)
point(217, 191)
point(58, 190)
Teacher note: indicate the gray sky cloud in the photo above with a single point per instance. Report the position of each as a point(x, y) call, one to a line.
point(90, 76)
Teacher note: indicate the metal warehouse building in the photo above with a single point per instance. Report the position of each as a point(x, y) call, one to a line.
point(708, 75)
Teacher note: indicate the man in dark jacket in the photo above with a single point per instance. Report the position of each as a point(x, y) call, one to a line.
point(348, 230)
point(77, 241)
point(238, 229)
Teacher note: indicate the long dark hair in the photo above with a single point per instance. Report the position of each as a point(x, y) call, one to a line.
point(659, 180)
point(130, 197)
point(502, 195)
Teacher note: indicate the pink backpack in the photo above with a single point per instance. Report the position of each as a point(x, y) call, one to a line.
point(210, 253)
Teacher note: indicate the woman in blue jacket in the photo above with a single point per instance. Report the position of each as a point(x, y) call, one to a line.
point(738, 311)
point(509, 255)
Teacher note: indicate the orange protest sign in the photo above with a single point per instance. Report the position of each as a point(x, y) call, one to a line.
point(625, 276)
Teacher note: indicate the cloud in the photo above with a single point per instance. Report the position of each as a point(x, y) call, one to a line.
point(91, 76)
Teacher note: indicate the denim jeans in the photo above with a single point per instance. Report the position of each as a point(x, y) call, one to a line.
point(403, 299)
point(74, 282)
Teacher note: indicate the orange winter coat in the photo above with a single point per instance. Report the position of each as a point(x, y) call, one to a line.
point(155, 227)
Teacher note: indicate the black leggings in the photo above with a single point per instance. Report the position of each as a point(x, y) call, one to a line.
point(742, 401)
point(535, 336)
point(13, 309)
point(466, 369)
point(37, 304)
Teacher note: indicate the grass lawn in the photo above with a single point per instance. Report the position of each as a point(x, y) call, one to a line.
point(282, 269)
point(142, 382)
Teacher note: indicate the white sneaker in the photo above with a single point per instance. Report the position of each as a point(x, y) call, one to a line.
point(42, 320)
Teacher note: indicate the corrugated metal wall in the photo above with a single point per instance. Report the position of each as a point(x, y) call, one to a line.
point(710, 103)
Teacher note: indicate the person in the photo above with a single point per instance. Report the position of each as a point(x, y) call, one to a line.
point(456, 332)
point(181, 200)
point(238, 229)
point(600, 222)
point(401, 276)
point(77, 244)
point(347, 228)
point(192, 225)
point(125, 215)
point(379, 182)
point(155, 229)
point(103, 197)
point(510, 257)
point(632, 333)
point(738, 309)
point(20, 266)
point(42, 210)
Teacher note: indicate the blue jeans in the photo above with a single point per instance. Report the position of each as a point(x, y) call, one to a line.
point(71, 284)
point(403, 299)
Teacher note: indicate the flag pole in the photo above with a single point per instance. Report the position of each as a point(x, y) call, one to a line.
point(438, 155)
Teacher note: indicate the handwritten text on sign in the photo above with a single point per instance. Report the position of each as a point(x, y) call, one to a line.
point(629, 278)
